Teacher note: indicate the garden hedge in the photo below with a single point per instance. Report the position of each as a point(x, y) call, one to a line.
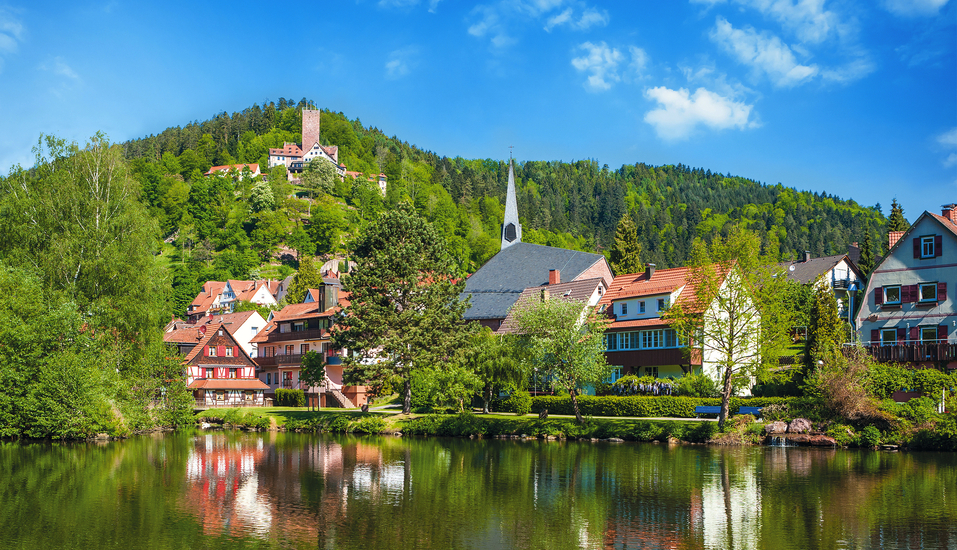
point(290, 398)
point(644, 406)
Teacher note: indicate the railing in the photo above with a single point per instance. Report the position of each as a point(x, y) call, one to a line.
point(842, 284)
point(309, 334)
point(294, 359)
point(201, 404)
point(915, 352)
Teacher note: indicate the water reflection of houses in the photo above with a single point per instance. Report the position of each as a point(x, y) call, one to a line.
point(262, 488)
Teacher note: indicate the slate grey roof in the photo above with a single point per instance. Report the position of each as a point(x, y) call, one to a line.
point(806, 271)
point(575, 291)
point(498, 284)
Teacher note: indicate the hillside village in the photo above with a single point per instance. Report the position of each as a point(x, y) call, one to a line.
point(901, 313)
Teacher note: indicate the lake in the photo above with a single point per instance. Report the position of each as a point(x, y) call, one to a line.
point(233, 490)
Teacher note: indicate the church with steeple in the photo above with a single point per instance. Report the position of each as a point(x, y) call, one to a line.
point(518, 266)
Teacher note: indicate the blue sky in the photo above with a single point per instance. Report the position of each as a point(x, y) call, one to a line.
point(851, 97)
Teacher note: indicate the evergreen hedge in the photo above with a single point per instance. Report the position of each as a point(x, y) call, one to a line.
point(644, 406)
point(290, 398)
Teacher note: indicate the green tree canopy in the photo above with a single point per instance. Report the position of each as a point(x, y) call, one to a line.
point(626, 252)
point(404, 312)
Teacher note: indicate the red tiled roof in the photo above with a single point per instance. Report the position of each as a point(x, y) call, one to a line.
point(574, 291)
point(664, 281)
point(187, 335)
point(945, 222)
point(230, 321)
point(227, 384)
point(637, 323)
point(289, 150)
point(238, 167)
point(204, 300)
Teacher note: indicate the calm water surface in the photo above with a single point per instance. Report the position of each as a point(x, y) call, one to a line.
point(274, 490)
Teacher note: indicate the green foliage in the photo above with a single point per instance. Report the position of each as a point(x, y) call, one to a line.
point(697, 385)
point(518, 402)
point(896, 221)
point(826, 331)
point(626, 252)
point(404, 313)
point(290, 398)
point(652, 406)
point(843, 434)
point(870, 437)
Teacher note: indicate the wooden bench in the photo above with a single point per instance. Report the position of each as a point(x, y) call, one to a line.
point(716, 409)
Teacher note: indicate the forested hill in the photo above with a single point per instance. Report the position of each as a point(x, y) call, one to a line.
point(568, 204)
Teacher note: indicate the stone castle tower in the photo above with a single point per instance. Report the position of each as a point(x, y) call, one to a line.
point(310, 128)
point(511, 229)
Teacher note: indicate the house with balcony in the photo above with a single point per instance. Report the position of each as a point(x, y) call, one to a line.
point(838, 272)
point(242, 325)
point(638, 341)
point(296, 330)
point(908, 315)
point(220, 373)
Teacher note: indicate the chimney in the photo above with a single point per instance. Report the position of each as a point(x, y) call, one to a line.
point(893, 237)
point(807, 255)
point(949, 211)
point(544, 294)
point(330, 297)
point(649, 271)
point(554, 277)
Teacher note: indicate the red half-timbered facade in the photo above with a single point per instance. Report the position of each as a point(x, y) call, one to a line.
point(220, 373)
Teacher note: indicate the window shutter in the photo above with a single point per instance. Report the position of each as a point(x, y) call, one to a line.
point(942, 292)
point(938, 245)
point(235, 351)
point(917, 247)
point(205, 351)
point(910, 293)
point(878, 296)
point(942, 333)
point(901, 335)
point(875, 337)
point(914, 334)
point(221, 351)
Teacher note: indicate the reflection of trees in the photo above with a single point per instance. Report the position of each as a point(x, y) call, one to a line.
point(293, 490)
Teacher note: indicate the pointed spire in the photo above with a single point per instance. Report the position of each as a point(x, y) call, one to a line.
point(511, 229)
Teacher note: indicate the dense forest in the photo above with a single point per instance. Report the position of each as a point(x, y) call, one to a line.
point(101, 243)
point(223, 226)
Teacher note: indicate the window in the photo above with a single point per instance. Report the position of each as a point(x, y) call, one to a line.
point(211, 352)
point(269, 378)
point(641, 307)
point(662, 304)
point(624, 308)
point(613, 375)
point(255, 330)
point(290, 350)
point(611, 341)
point(304, 349)
point(927, 249)
point(889, 336)
point(928, 292)
point(229, 351)
point(298, 326)
point(220, 396)
point(209, 373)
point(928, 335)
point(232, 373)
point(892, 295)
point(651, 371)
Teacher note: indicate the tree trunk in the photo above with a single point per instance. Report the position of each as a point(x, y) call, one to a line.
point(725, 400)
point(486, 397)
point(578, 414)
point(407, 398)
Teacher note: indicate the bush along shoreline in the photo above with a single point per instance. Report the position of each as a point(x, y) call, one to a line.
point(785, 421)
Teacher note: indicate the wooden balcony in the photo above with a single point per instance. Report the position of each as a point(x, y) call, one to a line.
point(914, 353)
point(293, 360)
point(311, 334)
point(653, 357)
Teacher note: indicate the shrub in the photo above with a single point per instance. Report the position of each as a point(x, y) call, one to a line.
point(290, 398)
point(844, 435)
point(775, 412)
point(369, 425)
point(870, 436)
point(697, 385)
point(519, 402)
point(883, 379)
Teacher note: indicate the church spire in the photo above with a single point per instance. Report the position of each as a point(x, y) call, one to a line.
point(511, 229)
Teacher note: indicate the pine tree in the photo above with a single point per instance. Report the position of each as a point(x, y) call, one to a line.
point(626, 252)
point(404, 313)
point(896, 221)
point(825, 333)
point(866, 262)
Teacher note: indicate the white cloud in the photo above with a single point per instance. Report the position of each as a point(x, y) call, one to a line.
point(806, 18)
point(914, 8)
point(400, 62)
point(680, 113)
point(602, 64)
point(763, 52)
point(11, 34)
point(402, 4)
point(639, 60)
point(948, 140)
point(500, 22)
point(59, 67)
